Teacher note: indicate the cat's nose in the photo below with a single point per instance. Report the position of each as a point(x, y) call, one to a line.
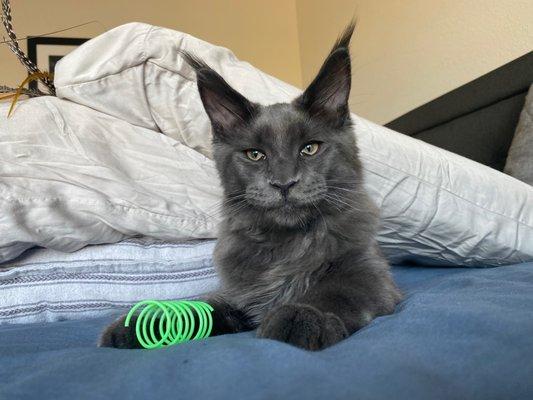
point(284, 187)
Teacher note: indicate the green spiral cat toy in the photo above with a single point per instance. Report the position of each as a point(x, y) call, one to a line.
point(165, 323)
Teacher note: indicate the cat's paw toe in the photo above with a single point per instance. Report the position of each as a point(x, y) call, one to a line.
point(303, 326)
point(119, 336)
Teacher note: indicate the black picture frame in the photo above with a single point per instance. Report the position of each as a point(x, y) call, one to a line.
point(34, 44)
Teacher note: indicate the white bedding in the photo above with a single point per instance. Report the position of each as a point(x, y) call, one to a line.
point(126, 152)
point(72, 176)
point(47, 285)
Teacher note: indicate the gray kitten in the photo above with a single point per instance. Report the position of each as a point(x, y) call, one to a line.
point(297, 252)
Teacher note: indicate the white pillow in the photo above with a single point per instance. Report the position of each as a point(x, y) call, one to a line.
point(72, 176)
point(440, 208)
point(436, 207)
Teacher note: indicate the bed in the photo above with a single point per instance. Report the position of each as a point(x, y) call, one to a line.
point(460, 332)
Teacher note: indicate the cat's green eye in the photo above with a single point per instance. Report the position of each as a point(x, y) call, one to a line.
point(310, 149)
point(255, 155)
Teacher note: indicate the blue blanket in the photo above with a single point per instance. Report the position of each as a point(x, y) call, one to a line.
point(459, 334)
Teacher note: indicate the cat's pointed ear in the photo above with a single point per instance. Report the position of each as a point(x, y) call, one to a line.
point(225, 106)
point(327, 96)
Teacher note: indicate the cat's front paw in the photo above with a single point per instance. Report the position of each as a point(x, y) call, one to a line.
point(119, 336)
point(303, 326)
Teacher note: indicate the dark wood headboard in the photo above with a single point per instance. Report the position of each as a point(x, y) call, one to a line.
point(476, 120)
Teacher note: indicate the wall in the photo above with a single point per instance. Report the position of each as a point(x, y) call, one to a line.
point(261, 32)
point(407, 52)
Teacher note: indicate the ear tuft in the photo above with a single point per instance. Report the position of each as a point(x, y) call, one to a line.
point(225, 107)
point(343, 41)
point(327, 96)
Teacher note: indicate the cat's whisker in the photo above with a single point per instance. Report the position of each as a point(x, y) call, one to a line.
point(340, 199)
point(236, 208)
point(336, 200)
point(331, 202)
point(342, 183)
point(222, 209)
point(343, 189)
point(219, 205)
point(315, 205)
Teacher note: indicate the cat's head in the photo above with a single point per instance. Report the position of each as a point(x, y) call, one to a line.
point(290, 162)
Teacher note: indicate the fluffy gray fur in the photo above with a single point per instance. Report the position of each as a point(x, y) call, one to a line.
point(297, 251)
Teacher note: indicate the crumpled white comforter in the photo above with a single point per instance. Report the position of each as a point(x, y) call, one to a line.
point(125, 150)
